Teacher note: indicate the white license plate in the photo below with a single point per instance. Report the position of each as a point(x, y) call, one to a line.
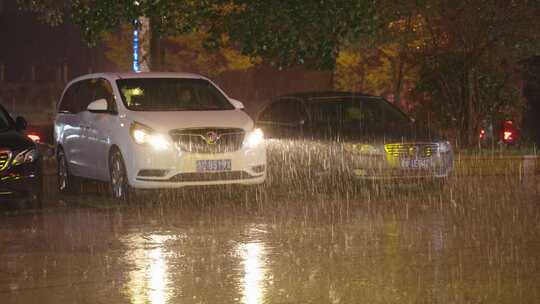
point(416, 163)
point(210, 165)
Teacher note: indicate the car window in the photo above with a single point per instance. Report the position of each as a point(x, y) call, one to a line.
point(67, 103)
point(5, 122)
point(365, 113)
point(283, 111)
point(80, 94)
point(326, 113)
point(171, 94)
point(103, 90)
point(267, 113)
point(85, 95)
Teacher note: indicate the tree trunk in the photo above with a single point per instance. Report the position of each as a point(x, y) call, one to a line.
point(399, 84)
point(471, 108)
point(145, 37)
point(155, 53)
point(156, 49)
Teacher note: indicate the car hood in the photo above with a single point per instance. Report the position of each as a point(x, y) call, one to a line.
point(166, 121)
point(14, 140)
point(403, 134)
point(409, 134)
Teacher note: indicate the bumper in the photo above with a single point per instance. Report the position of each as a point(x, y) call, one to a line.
point(439, 167)
point(361, 175)
point(308, 159)
point(20, 183)
point(150, 169)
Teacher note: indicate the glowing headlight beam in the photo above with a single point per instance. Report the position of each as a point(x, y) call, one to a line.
point(139, 136)
point(444, 147)
point(144, 135)
point(254, 138)
point(158, 142)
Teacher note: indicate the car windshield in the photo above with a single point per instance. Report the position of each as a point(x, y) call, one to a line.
point(4, 120)
point(357, 113)
point(171, 94)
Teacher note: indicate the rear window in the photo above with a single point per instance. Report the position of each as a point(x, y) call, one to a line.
point(171, 94)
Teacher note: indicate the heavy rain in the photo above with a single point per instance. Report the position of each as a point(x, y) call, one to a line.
point(474, 239)
point(261, 152)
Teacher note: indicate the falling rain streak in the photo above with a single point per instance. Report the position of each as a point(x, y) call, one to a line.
point(305, 237)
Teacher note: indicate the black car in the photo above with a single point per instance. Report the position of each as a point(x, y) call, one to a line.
point(20, 175)
point(361, 136)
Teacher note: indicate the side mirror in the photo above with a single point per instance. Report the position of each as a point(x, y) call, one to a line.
point(237, 104)
point(98, 106)
point(20, 123)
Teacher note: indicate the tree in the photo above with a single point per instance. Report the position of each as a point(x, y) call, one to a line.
point(185, 52)
point(461, 58)
point(297, 32)
point(531, 123)
point(470, 63)
point(289, 33)
point(96, 18)
point(388, 64)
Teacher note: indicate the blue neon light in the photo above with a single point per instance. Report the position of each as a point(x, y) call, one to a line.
point(136, 66)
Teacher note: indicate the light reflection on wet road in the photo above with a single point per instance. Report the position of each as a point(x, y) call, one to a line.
point(477, 241)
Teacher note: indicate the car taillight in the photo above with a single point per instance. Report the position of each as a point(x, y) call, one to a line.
point(482, 133)
point(508, 136)
point(34, 137)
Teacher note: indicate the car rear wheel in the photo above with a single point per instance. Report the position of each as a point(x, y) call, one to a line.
point(120, 189)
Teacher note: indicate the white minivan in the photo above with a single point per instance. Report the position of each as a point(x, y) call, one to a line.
point(154, 130)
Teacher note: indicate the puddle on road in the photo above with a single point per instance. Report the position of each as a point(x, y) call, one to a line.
point(477, 241)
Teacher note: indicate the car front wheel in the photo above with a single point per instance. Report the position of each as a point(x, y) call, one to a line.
point(65, 180)
point(120, 189)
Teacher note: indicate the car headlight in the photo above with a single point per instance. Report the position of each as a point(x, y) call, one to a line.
point(254, 138)
point(26, 156)
point(144, 135)
point(445, 147)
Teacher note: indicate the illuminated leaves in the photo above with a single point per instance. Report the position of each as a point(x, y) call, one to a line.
point(284, 34)
point(185, 52)
point(48, 11)
point(298, 32)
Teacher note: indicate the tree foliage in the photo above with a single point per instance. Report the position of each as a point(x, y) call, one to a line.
point(459, 60)
point(388, 64)
point(469, 68)
point(96, 17)
point(183, 52)
point(51, 12)
point(285, 34)
point(297, 32)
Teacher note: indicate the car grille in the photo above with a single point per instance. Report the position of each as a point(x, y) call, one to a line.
point(208, 140)
point(210, 176)
point(411, 150)
point(5, 157)
point(205, 177)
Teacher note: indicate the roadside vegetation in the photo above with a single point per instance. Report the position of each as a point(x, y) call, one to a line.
point(453, 65)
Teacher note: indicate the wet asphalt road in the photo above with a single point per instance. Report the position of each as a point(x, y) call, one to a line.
point(475, 241)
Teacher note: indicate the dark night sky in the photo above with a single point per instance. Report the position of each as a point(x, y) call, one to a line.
point(26, 42)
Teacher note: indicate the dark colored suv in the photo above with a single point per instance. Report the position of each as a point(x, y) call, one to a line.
point(20, 175)
point(360, 136)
